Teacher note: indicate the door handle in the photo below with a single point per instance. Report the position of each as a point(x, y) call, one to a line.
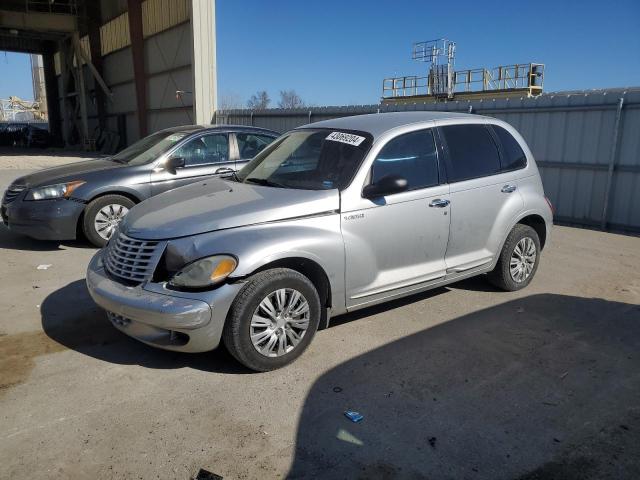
point(224, 170)
point(439, 203)
point(508, 188)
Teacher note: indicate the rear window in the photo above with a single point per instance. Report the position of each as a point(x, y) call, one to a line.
point(472, 152)
point(513, 157)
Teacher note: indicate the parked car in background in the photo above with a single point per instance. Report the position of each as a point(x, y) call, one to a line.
point(94, 195)
point(36, 137)
point(24, 135)
point(330, 218)
point(14, 134)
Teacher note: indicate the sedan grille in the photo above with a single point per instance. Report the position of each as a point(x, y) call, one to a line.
point(132, 260)
point(12, 193)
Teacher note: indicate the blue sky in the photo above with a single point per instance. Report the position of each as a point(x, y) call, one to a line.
point(338, 52)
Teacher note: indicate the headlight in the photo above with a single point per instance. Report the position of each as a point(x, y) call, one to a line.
point(59, 190)
point(205, 272)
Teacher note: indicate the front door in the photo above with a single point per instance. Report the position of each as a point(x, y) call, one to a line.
point(204, 156)
point(397, 243)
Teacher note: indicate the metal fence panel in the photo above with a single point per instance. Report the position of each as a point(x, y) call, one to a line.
point(587, 146)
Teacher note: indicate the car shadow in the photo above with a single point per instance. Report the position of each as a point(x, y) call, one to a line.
point(542, 387)
point(70, 317)
point(14, 241)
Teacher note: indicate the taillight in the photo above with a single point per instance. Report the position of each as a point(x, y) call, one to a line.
point(553, 210)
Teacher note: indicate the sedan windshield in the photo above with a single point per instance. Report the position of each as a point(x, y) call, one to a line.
point(313, 159)
point(149, 148)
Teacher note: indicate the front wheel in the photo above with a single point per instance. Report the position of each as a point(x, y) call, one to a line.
point(518, 260)
point(273, 319)
point(102, 216)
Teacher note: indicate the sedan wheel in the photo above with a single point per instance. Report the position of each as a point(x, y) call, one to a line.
point(102, 215)
point(107, 219)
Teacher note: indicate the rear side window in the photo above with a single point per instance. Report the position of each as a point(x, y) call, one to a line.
point(472, 152)
point(513, 157)
point(411, 156)
point(251, 144)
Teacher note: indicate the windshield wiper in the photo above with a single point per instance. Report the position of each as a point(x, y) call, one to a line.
point(265, 182)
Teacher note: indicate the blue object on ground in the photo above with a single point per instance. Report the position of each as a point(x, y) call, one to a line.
point(355, 417)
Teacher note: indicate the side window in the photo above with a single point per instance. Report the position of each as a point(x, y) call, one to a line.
point(472, 152)
point(412, 156)
point(513, 158)
point(205, 150)
point(249, 144)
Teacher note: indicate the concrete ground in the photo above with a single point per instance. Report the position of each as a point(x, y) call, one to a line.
point(460, 382)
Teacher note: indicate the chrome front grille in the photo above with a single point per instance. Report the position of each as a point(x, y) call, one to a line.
point(12, 192)
point(132, 260)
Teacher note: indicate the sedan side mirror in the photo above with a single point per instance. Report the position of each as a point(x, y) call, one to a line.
point(387, 185)
point(174, 163)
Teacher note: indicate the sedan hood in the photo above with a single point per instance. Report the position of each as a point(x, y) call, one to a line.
point(216, 204)
point(67, 173)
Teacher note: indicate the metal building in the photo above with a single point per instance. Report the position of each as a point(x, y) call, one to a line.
point(117, 70)
point(586, 144)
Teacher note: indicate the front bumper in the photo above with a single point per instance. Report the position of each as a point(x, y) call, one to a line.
point(179, 321)
point(43, 219)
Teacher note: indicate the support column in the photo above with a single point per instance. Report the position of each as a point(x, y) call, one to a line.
point(137, 51)
point(96, 58)
point(53, 96)
point(612, 163)
point(203, 58)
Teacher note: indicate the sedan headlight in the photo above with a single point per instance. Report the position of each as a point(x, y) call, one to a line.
point(59, 190)
point(205, 272)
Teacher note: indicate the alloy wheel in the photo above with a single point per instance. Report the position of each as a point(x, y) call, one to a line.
point(523, 260)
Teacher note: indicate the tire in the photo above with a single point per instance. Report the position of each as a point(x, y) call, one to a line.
point(92, 212)
point(238, 327)
point(501, 276)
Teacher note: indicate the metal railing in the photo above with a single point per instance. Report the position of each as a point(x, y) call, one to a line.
point(506, 77)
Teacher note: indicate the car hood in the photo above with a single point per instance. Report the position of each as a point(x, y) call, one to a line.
point(67, 173)
point(216, 204)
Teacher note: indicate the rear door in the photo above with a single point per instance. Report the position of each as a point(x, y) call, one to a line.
point(204, 156)
point(484, 197)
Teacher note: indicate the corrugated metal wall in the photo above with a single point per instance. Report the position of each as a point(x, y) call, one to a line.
point(587, 145)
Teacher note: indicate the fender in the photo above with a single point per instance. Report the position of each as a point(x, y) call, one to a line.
point(318, 239)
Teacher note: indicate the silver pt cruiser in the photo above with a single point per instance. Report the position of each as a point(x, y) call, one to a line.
point(330, 218)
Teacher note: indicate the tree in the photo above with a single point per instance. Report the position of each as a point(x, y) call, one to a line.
point(259, 100)
point(290, 99)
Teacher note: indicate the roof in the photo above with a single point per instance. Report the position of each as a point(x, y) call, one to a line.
point(379, 123)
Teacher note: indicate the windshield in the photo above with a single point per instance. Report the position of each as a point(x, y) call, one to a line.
point(149, 148)
point(314, 159)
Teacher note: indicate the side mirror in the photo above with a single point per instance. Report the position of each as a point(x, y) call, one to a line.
point(174, 163)
point(387, 185)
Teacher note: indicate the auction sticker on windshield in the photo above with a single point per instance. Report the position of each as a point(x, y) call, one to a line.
point(347, 138)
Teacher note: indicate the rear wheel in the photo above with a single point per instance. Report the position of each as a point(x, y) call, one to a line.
point(518, 260)
point(102, 216)
point(272, 320)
